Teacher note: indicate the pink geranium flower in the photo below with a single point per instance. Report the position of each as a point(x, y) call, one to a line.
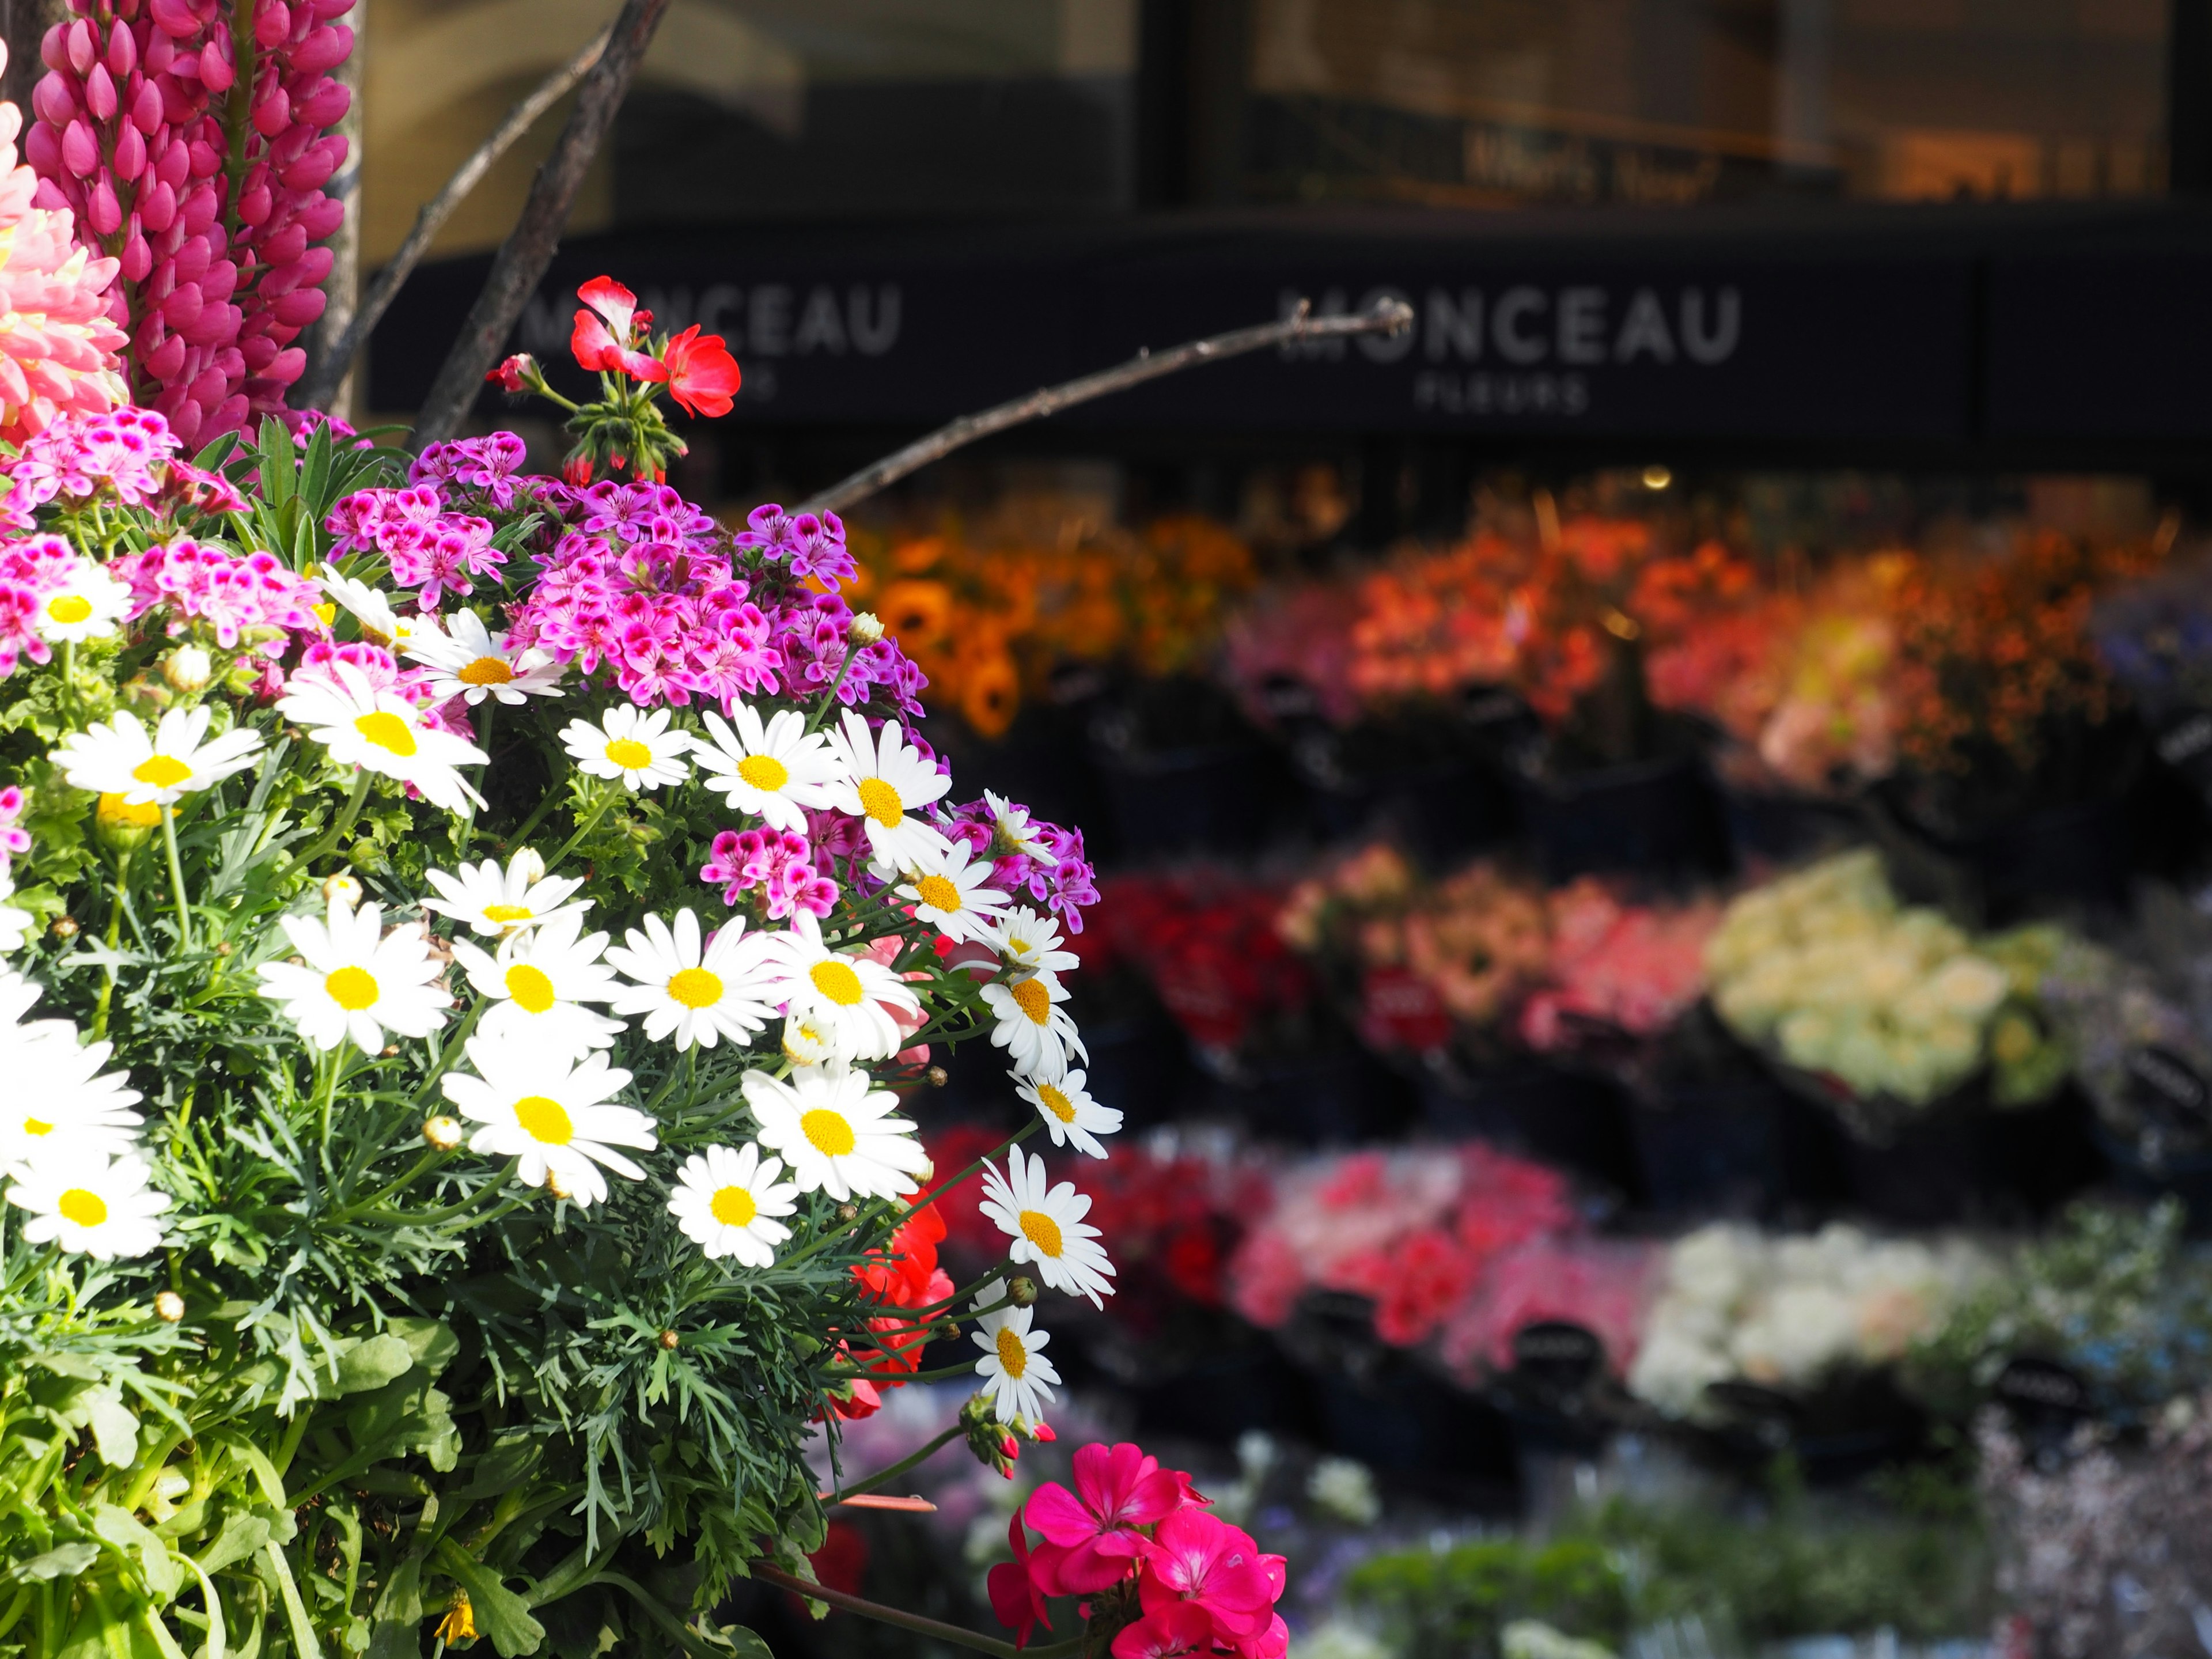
point(1017, 1598)
point(1199, 1561)
point(1179, 1628)
point(1118, 1489)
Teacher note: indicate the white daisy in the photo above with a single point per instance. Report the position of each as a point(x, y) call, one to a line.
point(699, 995)
point(849, 998)
point(14, 924)
point(1047, 1227)
point(836, 1132)
point(1015, 834)
point(1033, 1028)
point(383, 733)
point(471, 663)
point(119, 758)
point(358, 980)
point(57, 1096)
point(885, 781)
point(1071, 1117)
point(630, 744)
point(726, 1202)
point(947, 888)
point(1016, 1375)
point(498, 902)
point(1028, 942)
point(540, 981)
point(775, 772)
point(373, 611)
point(87, 607)
point(86, 1203)
point(550, 1113)
point(806, 1042)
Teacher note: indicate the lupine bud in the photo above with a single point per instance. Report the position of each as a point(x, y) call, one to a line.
point(122, 51)
point(272, 24)
point(216, 73)
point(146, 108)
point(138, 259)
point(80, 150)
point(100, 93)
point(173, 17)
point(83, 46)
point(130, 154)
point(273, 113)
point(53, 47)
point(104, 210)
point(52, 102)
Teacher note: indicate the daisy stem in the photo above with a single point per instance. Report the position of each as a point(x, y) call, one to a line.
point(177, 879)
point(913, 1460)
point(452, 1049)
point(330, 1087)
point(965, 1368)
point(347, 815)
point(399, 1186)
point(590, 822)
point(536, 817)
point(913, 1621)
point(829, 697)
point(114, 936)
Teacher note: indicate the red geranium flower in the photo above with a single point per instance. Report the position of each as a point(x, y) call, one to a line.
point(509, 376)
point(1015, 1596)
point(702, 376)
point(1181, 1628)
point(602, 342)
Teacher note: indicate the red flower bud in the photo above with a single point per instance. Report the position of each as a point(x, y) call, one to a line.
point(83, 46)
point(165, 360)
point(130, 152)
point(53, 47)
point(272, 24)
point(101, 208)
point(80, 150)
point(146, 108)
point(157, 208)
point(137, 260)
point(173, 18)
point(99, 96)
point(122, 51)
point(273, 113)
point(52, 102)
point(511, 374)
point(300, 307)
point(216, 72)
point(324, 49)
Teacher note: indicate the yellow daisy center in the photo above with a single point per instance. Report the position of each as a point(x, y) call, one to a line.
point(162, 771)
point(529, 989)
point(1033, 999)
point(881, 802)
point(733, 1207)
point(1042, 1231)
point(837, 981)
point(504, 913)
point(69, 607)
point(544, 1120)
point(37, 1125)
point(1056, 1102)
point(1013, 1358)
point(388, 732)
point(352, 988)
point(828, 1132)
point(113, 809)
point(82, 1208)
point(629, 754)
point(1018, 945)
point(486, 671)
point(763, 771)
point(695, 987)
point(940, 893)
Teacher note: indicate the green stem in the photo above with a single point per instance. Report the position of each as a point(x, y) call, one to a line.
point(884, 1476)
point(536, 816)
point(913, 1621)
point(330, 1087)
point(176, 880)
point(452, 1049)
point(347, 815)
point(590, 822)
point(114, 936)
point(401, 1185)
point(967, 1368)
point(829, 697)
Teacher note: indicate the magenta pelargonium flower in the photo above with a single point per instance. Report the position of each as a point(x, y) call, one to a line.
point(232, 595)
point(15, 840)
point(1093, 1530)
point(1194, 1560)
point(778, 861)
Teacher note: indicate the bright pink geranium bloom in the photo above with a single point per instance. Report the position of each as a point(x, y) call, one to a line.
point(1016, 1597)
point(1181, 1627)
point(1201, 1560)
point(1118, 1489)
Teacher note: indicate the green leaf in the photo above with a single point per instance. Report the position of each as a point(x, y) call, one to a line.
point(63, 1561)
point(431, 1341)
point(121, 1529)
point(373, 1361)
point(500, 1613)
point(398, 1631)
point(240, 1536)
point(304, 1645)
point(114, 1427)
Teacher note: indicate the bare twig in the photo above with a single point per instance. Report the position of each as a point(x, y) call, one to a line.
point(329, 371)
point(1384, 317)
point(528, 249)
point(876, 1610)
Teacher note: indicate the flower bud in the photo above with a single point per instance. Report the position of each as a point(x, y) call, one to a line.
point(847, 1211)
point(65, 927)
point(866, 628)
point(531, 863)
point(1022, 1290)
point(343, 889)
point(443, 1134)
point(188, 668)
point(169, 1307)
point(122, 828)
point(937, 1076)
point(668, 1340)
point(556, 1188)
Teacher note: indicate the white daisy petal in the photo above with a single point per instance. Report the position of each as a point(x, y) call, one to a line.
point(727, 1202)
point(549, 1114)
point(1071, 1117)
point(355, 981)
point(382, 733)
point(471, 662)
point(630, 744)
point(949, 890)
point(1047, 1227)
point(1016, 1376)
point(773, 771)
point(1033, 1027)
point(88, 1204)
point(540, 980)
point(836, 1132)
point(848, 999)
point(883, 781)
point(90, 604)
point(690, 993)
point(121, 758)
point(498, 902)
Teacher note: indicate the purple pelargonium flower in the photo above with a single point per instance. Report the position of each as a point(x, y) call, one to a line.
point(15, 840)
point(487, 465)
point(778, 861)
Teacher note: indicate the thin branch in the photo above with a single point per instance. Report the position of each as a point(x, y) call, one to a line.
point(898, 1616)
point(528, 250)
point(1385, 316)
point(329, 371)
